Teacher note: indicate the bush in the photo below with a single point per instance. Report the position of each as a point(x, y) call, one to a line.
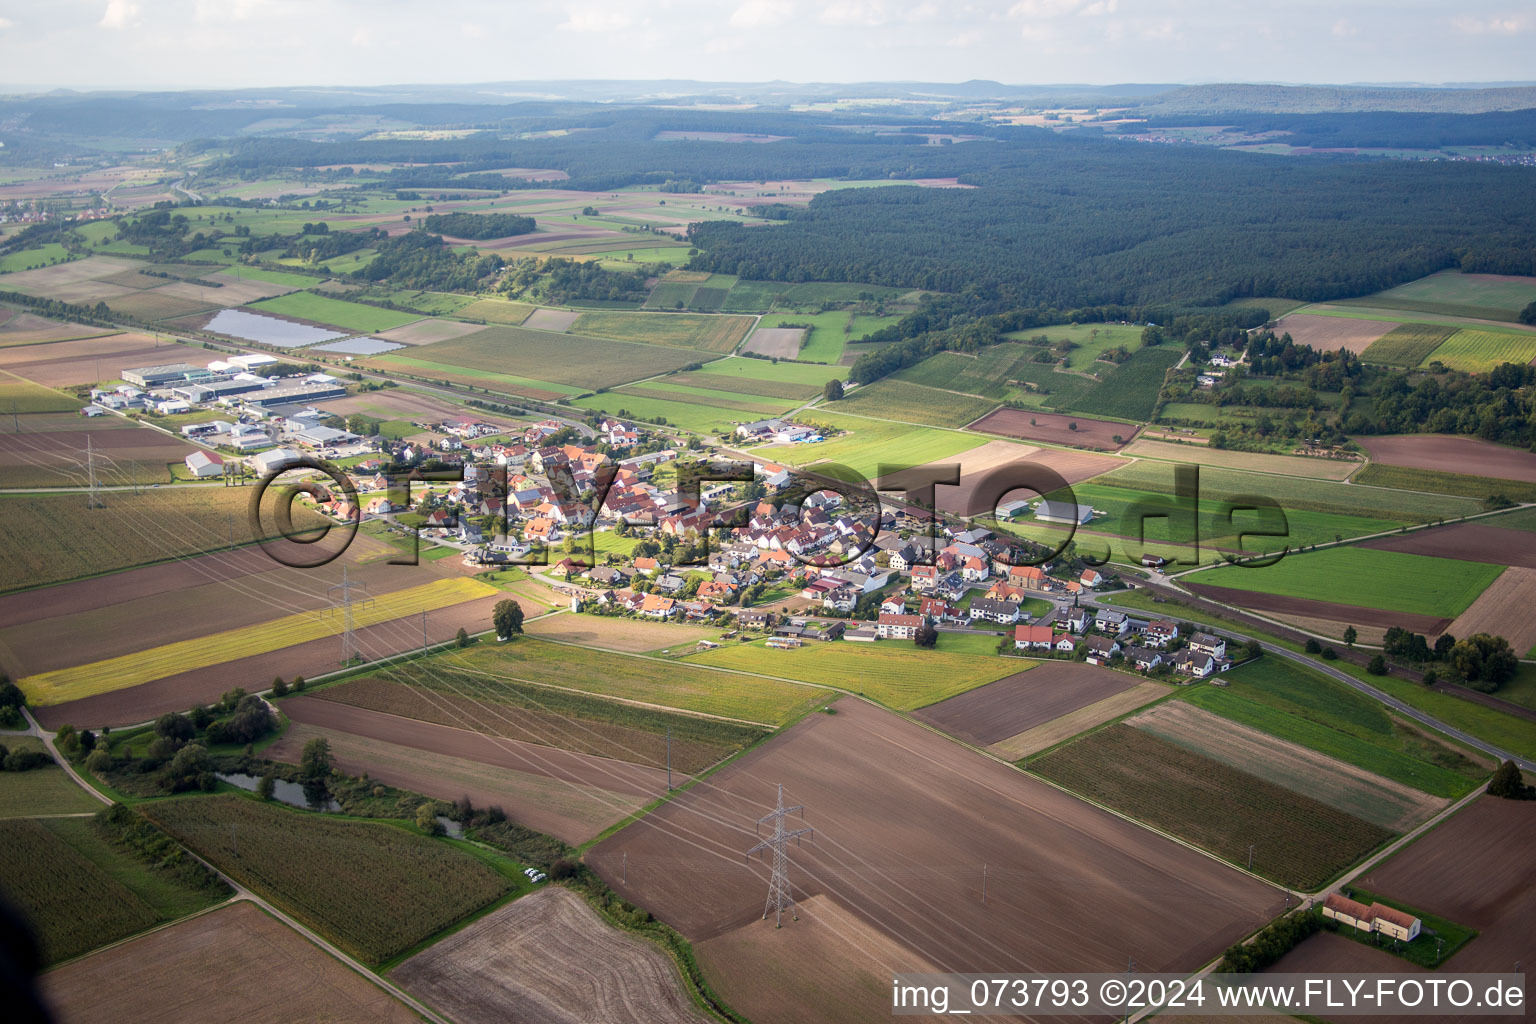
point(26, 760)
point(298, 684)
point(1270, 944)
point(279, 688)
point(1313, 647)
point(1377, 666)
point(1508, 783)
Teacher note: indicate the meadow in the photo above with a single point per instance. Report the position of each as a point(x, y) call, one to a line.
point(989, 371)
point(1089, 341)
point(1406, 478)
point(45, 790)
point(807, 375)
point(1480, 351)
point(1370, 578)
point(1483, 296)
point(1296, 840)
point(678, 410)
point(495, 311)
point(896, 673)
point(39, 256)
point(871, 443)
point(127, 670)
point(351, 316)
point(1406, 345)
point(719, 334)
point(828, 332)
point(913, 403)
point(743, 386)
point(672, 389)
point(374, 889)
point(570, 359)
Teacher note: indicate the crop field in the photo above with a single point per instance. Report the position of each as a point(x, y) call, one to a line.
point(91, 360)
point(1129, 390)
point(543, 356)
point(557, 320)
point(1073, 723)
point(896, 673)
point(871, 443)
point(1482, 296)
point(864, 775)
point(72, 904)
point(1440, 482)
point(1406, 345)
point(828, 332)
point(986, 373)
point(706, 333)
point(1504, 609)
point(58, 458)
point(537, 787)
point(18, 396)
point(119, 673)
point(808, 375)
point(646, 680)
point(718, 382)
point(163, 977)
point(653, 407)
point(565, 719)
point(667, 388)
point(1202, 455)
point(1338, 784)
point(1017, 703)
point(352, 316)
point(913, 403)
point(54, 537)
point(46, 790)
point(496, 311)
point(1480, 351)
point(1297, 840)
point(547, 959)
point(1331, 333)
point(1370, 578)
point(1481, 541)
point(29, 329)
point(159, 304)
point(28, 259)
point(776, 342)
point(425, 332)
point(1453, 456)
point(1056, 428)
point(1302, 494)
point(629, 635)
point(968, 498)
point(373, 889)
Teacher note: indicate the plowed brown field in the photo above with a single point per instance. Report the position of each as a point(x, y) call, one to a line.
point(1010, 706)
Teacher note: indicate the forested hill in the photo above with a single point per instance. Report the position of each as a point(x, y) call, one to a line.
point(1077, 223)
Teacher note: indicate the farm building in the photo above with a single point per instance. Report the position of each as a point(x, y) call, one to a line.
point(1063, 512)
point(1378, 917)
point(203, 464)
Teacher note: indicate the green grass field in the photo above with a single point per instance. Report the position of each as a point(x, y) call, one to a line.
point(18, 396)
point(1480, 351)
point(496, 311)
point(351, 316)
point(40, 256)
point(678, 410)
point(1370, 578)
point(673, 390)
point(828, 332)
point(46, 790)
point(913, 403)
point(719, 334)
point(1453, 293)
point(988, 372)
point(894, 672)
point(873, 442)
point(807, 375)
point(1408, 479)
point(1406, 345)
point(1129, 390)
point(1091, 341)
point(569, 359)
point(743, 386)
point(668, 684)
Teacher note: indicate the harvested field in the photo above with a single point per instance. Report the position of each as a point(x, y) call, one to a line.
point(1331, 333)
point(1289, 465)
point(991, 713)
point(425, 332)
point(966, 499)
point(372, 888)
point(1474, 542)
point(776, 342)
point(763, 388)
point(204, 685)
point(57, 458)
point(1342, 786)
point(1356, 615)
point(1504, 609)
point(496, 311)
point(1369, 635)
point(865, 777)
point(536, 786)
point(547, 959)
point(159, 304)
point(702, 331)
point(94, 678)
point(398, 403)
point(163, 978)
point(537, 356)
point(631, 635)
point(45, 279)
point(239, 286)
point(25, 396)
point(1032, 741)
point(552, 319)
point(93, 360)
point(1464, 455)
point(1056, 428)
point(30, 329)
point(830, 965)
point(1298, 841)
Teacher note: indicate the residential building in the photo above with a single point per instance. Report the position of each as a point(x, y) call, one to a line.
point(1101, 649)
point(1004, 613)
point(1027, 638)
point(898, 627)
point(1144, 658)
point(1205, 643)
point(1160, 633)
point(1107, 620)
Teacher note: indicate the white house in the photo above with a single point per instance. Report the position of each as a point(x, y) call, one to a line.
point(898, 627)
point(204, 464)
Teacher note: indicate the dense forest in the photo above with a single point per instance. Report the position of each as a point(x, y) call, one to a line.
point(1377, 130)
point(478, 225)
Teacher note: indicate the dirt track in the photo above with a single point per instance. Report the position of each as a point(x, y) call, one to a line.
point(904, 821)
point(547, 959)
point(1020, 702)
point(266, 974)
point(1447, 454)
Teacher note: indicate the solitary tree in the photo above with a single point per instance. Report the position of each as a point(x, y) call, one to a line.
point(1350, 636)
point(832, 391)
point(315, 762)
point(926, 636)
point(1377, 666)
point(279, 688)
point(507, 618)
point(462, 638)
point(1508, 783)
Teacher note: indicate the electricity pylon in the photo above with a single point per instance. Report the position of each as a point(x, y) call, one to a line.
point(779, 896)
point(349, 649)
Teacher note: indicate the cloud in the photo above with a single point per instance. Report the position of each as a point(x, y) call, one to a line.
point(595, 20)
point(1043, 8)
point(866, 13)
point(6, 23)
point(119, 14)
point(1344, 28)
point(1499, 25)
point(762, 13)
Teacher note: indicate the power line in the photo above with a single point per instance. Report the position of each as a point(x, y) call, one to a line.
point(349, 648)
point(780, 898)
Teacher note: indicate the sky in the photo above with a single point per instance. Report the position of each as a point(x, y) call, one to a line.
point(152, 44)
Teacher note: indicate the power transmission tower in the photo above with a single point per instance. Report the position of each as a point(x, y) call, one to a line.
point(779, 896)
point(94, 499)
point(349, 649)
